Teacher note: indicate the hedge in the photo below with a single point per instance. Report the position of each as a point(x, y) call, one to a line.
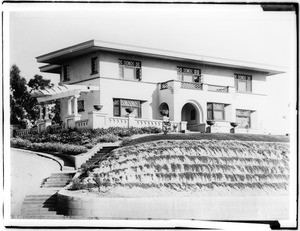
point(48, 147)
point(87, 138)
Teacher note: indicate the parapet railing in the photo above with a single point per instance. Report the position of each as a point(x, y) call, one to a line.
point(193, 86)
point(81, 123)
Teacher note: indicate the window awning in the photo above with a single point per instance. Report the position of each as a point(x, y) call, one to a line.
point(62, 91)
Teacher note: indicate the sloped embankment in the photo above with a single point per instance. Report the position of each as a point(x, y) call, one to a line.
point(183, 166)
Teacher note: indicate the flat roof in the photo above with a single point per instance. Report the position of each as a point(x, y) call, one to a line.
point(58, 57)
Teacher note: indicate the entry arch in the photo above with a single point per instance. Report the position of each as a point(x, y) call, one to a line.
point(192, 112)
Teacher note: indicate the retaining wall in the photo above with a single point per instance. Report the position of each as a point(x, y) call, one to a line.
point(206, 207)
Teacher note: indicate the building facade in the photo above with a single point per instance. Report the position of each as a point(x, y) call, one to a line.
point(189, 89)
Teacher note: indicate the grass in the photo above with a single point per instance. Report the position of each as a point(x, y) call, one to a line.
point(210, 136)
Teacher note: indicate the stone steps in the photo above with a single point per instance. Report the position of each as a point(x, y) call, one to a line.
point(40, 206)
point(99, 155)
point(58, 180)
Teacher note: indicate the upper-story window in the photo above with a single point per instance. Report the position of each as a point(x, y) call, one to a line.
point(186, 74)
point(66, 73)
point(215, 111)
point(94, 65)
point(130, 69)
point(243, 83)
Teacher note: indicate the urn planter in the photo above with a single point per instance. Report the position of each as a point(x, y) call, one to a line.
point(164, 112)
point(234, 124)
point(98, 107)
point(210, 122)
point(129, 110)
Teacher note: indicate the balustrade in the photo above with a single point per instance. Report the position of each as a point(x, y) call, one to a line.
point(23, 132)
point(81, 123)
point(193, 86)
point(164, 86)
point(148, 123)
point(117, 122)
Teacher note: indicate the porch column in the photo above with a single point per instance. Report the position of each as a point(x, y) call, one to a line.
point(70, 106)
point(75, 104)
point(41, 111)
point(46, 112)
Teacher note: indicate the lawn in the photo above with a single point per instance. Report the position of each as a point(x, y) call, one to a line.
point(211, 136)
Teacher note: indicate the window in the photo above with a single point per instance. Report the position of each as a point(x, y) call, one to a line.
point(243, 83)
point(130, 69)
point(80, 105)
point(66, 73)
point(120, 106)
point(186, 74)
point(94, 65)
point(215, 111)
point(243, 118)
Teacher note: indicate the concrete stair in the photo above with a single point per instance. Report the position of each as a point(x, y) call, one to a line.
point(100, 155)
point(40, 206)
point(58, 180)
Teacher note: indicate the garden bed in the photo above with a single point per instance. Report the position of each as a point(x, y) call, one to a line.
point(74, 142)
point(193, 166)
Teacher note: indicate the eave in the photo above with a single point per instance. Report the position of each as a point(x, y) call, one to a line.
point(58, 57)
point(52, 68)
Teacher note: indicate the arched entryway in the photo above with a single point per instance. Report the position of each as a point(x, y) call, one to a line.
point(191, 114)
point(164, 108)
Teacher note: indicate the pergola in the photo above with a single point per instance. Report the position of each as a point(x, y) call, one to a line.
point(71, 92)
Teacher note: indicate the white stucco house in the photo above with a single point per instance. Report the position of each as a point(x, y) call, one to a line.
point(192, 88)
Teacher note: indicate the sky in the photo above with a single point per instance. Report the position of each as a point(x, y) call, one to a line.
point(236, 32)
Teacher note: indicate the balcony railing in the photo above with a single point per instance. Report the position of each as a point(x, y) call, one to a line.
point(193, 86)
point(218, 88)
point(81, 123)
point(164, 85)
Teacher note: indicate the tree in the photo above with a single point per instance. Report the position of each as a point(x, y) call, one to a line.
point(38, 83)
point(22, 105)
point(19, 97)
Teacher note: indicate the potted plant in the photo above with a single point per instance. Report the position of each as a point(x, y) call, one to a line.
point(129, 110)
point(234, 124)
point(210, 122)
point(98, 107)
point(164, 112)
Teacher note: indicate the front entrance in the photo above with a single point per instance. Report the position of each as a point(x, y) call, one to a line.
point(191, 114)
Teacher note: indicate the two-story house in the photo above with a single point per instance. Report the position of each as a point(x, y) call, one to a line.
point(193, 89)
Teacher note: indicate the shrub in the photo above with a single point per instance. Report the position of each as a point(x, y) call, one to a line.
point(108, 138)
point(72, 149)
point(150, 130)
point(19, 142)
point(105, 183)
point(77, 185)
point(126, 141)
point(86, 168)
point(48, 147)
point(89, 145)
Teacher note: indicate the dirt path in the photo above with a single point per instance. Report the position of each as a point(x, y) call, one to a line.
point(27, 173)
